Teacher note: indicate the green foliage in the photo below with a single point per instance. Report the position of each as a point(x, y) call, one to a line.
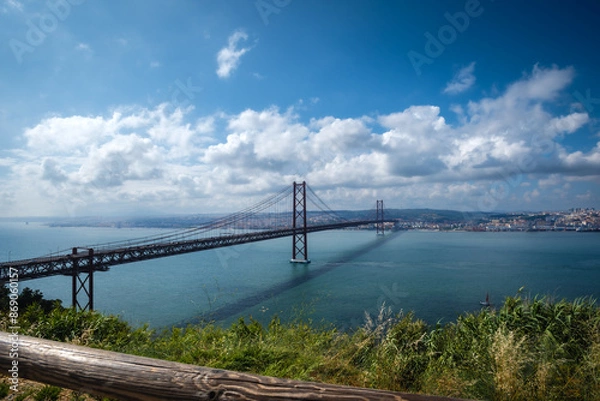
point(528, 349)
point(76, 396)
point(284, 350)
point(391, 350)
point(4, 389)
point(26, 298)
point(47, 393)
point(84, 328)
point(24, 394)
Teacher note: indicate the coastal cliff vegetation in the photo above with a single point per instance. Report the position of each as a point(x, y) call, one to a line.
point(526, 349)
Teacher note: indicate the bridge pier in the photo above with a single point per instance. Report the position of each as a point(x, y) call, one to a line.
point(380, 221)
point(83, 282)
point(300, 236)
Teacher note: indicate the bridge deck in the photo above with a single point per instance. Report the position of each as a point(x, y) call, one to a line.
point(102, 259)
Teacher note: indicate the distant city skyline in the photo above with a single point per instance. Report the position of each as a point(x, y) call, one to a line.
point(149, 108)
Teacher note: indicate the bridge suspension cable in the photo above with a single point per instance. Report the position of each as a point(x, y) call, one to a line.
point(279, 217)
point(270, 218)
point(272, 212)
point(321, 205)
point(234, 220)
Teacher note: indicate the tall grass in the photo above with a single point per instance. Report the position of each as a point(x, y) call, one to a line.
point(528, 349)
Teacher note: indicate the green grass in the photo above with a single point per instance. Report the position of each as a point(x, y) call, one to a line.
point(528, 349)
point(47, 393)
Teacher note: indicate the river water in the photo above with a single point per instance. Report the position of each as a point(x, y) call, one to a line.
point(438, 275)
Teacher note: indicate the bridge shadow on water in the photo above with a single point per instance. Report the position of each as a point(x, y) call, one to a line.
point(227, 311)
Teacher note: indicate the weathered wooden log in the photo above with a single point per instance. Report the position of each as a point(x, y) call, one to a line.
point(129, 377)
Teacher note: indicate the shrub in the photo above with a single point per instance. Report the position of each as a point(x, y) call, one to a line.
point(528, 349)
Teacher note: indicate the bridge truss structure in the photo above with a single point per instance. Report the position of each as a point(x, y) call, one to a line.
point(81, 262)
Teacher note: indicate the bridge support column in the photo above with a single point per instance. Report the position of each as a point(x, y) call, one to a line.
point(380, 226)
point(83, 282)
point(300, 237)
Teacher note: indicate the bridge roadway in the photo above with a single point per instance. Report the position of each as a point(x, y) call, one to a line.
point(102, 259)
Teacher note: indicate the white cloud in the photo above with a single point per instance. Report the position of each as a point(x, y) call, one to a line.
point(553, 180)
point(52, 172)
point(567, 124)
point(124, 157)
point(542, 85)
point(416, 142)
point(228, 58)
point(6, 162)
point(259, 140)
point(163, 159)
point(580, 163)
point(531, 196)
point(69, 133)
point(462, 80)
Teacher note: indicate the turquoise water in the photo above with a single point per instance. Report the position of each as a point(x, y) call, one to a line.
point(436, 274)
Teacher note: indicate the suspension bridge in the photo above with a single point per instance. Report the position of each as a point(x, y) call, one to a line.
point(268, 219)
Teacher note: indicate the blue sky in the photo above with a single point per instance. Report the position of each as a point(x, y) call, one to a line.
point(114, 108)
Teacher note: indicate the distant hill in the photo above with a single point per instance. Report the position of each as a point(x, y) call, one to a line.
point(424, 215)
point(409, 215)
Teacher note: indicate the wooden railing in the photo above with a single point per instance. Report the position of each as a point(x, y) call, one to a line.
point(129, 377)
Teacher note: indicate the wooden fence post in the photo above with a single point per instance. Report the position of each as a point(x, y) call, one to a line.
point(129, 377)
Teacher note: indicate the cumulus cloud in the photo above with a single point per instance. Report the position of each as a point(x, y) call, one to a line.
point(165, 159)
point(228, 58)
point(6, 161)
point(567, 124)
point(69, 133)
point(416, 142)
point(265, 139)
point(52, 172)
point(133, 153)
point(124, 157)
point(581, 163)
point(542, 84)
point(462, 80)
